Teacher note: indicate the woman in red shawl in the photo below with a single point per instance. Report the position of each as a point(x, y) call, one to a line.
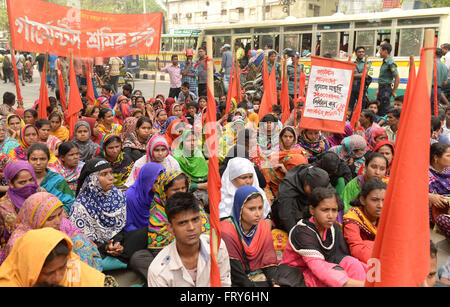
point(249, 242)
point(386, 148)
point(173, 132)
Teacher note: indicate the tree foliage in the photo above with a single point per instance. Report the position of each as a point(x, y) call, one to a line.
point(438, 3)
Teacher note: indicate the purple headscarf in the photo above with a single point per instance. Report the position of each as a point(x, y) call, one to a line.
point(140, 196)
point(19, 195)
point(336, 139)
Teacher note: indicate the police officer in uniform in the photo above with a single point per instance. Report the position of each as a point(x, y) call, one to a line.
point(360, 54)
point(292, 56)
point(388, 72)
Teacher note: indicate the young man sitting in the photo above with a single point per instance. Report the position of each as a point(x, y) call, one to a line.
point(186, 262)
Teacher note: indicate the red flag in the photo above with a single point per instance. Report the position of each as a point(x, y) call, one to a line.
point(89, 86)
point(284, 96)
point(62, 88)
point(411, 81)
point(357, 111)
point(44, 103)
point(269, 97)
point(402, 244)
point(238, 82)
point(214, 185)
point(231, 89)
point(16, 78)
point(75, 104)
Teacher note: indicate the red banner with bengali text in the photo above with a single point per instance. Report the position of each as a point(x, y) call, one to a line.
point(329, 89)
point(46, 27)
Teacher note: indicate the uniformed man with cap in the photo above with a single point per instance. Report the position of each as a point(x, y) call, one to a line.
point(292, 56)
point(388, 73)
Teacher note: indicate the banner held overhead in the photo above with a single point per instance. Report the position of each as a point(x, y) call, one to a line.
point(63, 30)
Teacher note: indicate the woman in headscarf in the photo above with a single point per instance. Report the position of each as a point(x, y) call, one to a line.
point(14, 124)
point(291, 203)
point(28, 136)
point(128, 127)
point(191, 160)
point(100, 211)
point(361, 221)
point(96, 134)
point(56, 127)
point(352, 151)
point(439, 186)
point(43, 125)
point(281, 163)
point(336, 138)
point(52, 182)
point(339, 172)
point(231, 131)
point(106, 123)
point(161, 121)
point(313, 142)
point(375, 166)
point(177, 111)
point(239, 172)
point(386, 148)
point(42, 250)
point(135, 144)
point(121, 110)
point(7, 143)
point(158, 151)
point(69, 164)
point(45, 210)
point(288, 139)
point(140, 196)
point(22, 183)
point(122, 163)
point(375, 135)
point(268, 135)
point(173, 133)
point(249, 241)
point(82, 138)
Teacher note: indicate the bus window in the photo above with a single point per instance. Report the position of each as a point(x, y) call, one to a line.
point(191, 43)
point(263, 42)
point(343, 45)
point(306, 43)
point(218, 42)
point(291, 41)
point(410, 42)
point(178, 44)
point(317, 48)
point(366, 39)
point(329, 44)
point(166, 44)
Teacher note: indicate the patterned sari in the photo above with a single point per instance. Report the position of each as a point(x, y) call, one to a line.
point(158, 235)
point(35, 212)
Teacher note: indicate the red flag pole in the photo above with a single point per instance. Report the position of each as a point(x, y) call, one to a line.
point(43, 94)
point(357, 111)
point(89, 86)
point(214, 181)
point(62, 88)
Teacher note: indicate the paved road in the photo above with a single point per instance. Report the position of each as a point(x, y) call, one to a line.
point(30, 91)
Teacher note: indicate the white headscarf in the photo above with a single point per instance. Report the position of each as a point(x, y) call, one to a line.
point(237, 167)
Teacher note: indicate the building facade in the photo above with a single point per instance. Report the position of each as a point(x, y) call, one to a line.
point(200, 13)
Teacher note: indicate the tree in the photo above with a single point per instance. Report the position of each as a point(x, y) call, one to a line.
point(438, 3)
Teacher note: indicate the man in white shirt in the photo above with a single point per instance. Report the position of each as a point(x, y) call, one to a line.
point(186, 262)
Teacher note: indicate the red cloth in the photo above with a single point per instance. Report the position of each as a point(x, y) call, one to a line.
point(62, 89)
point(269, 97)
point(284, 96)
point(402, 245)
point(360, 244)
point(43, 93)
point(91, 121)
point(214, 184)
point(89, 86)
point(75, 104)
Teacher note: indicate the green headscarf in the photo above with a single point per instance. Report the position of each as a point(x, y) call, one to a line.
point(193, 164)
